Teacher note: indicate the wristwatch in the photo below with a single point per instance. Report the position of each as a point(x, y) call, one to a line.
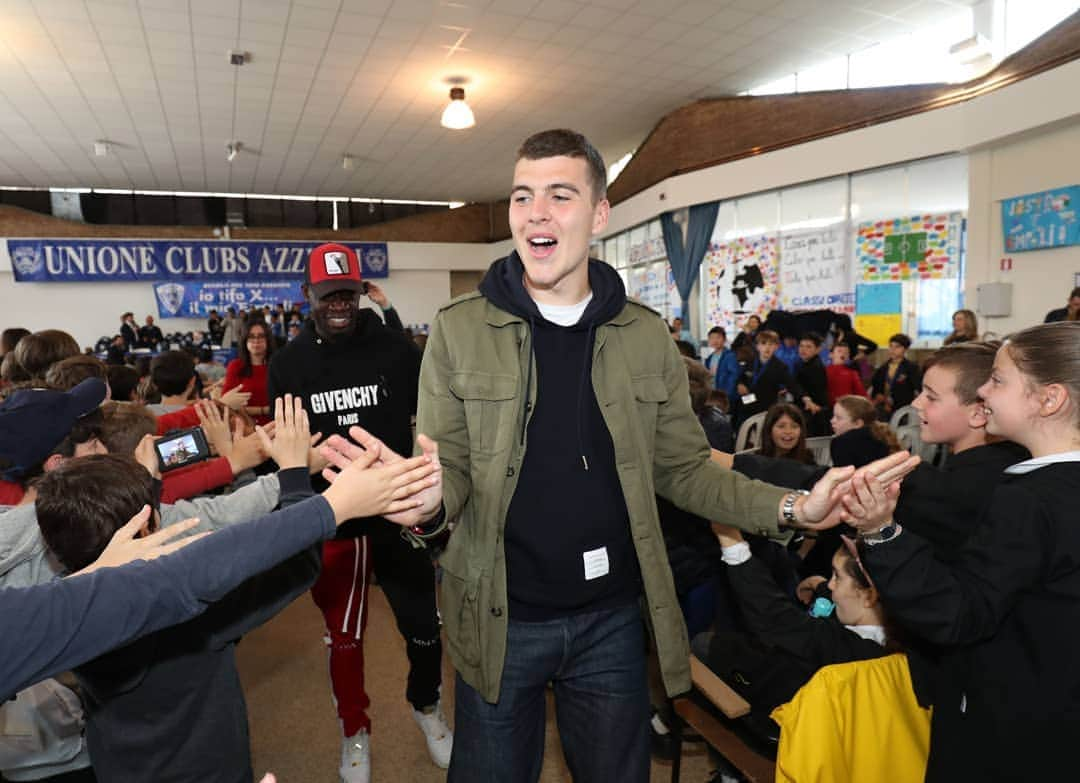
point(881, 535)
point(787, 510)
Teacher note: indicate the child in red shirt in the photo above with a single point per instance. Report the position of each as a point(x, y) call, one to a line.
point(842, 379)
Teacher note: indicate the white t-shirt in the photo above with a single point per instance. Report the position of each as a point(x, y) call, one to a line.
point(564, 315)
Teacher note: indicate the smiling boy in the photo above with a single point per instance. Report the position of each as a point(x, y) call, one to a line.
point(943, 505)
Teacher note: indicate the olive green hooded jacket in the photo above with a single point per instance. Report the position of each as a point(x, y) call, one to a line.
point(474, 384)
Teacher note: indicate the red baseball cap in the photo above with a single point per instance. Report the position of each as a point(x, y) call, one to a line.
point(332, 267)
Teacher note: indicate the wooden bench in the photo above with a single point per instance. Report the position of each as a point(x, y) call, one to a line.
point(755, 767)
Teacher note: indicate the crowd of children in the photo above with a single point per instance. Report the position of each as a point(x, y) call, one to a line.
point(969, 567)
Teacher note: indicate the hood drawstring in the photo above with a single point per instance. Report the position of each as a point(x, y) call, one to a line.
point(582, 411)
point(528, 383)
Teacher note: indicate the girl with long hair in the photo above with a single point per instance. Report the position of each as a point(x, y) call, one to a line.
point(783, 434)
point(1006, 613)
point(248, 370)
point(965, 327)
point(858, 437)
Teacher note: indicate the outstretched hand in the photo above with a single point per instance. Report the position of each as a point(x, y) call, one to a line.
point(823, 507)
point(427, 499)
point(126, 546)
point(292, 434)
point(870, 504)
point(366, 482)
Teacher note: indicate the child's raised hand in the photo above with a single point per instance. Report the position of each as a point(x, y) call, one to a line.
point(127, 545)
point(823, 507)
point(292, 434)
point(870, 505)
point(215, 427)
point(805, 590)
point(366, 485)
point(236, 398)
point(146, 455)
point(317, 462)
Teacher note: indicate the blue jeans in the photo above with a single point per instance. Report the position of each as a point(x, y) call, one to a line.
point(596, 663)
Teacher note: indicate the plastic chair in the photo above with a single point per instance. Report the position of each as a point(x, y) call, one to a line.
point(903, 417)
point(819, 447)
point(749, 436)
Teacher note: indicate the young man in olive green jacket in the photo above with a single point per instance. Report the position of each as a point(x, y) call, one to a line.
point(560, 409)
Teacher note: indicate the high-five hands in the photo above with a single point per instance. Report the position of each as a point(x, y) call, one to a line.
point(824, 507)
point(870, 504)
point(425, 495)
point(372, 480)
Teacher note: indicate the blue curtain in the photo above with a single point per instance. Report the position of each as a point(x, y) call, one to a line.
point(686, 260)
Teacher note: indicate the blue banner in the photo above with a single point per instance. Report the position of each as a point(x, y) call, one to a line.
point(116, 260)
point(1041, 220)
point(187, 299)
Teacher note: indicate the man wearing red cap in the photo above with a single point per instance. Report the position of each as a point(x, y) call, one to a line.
point(351, 369)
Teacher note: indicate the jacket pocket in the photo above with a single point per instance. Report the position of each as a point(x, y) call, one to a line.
point(460, 614)
point(489, 407)
point(650, 392)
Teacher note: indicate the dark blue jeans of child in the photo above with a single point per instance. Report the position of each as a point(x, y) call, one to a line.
point(596, 663)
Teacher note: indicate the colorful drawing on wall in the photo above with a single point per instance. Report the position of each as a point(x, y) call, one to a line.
point(742, 278)
point(1041, 220)
point(920, 247)
point(814, 270)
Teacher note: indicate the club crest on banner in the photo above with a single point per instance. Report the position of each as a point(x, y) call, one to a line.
point(170, 297)
point(27, 261)
point(374, 259)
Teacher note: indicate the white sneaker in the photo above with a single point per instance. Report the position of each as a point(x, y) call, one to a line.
point(440, 740)
point(356, 758)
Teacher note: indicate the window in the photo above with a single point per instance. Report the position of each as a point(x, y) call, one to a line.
point(814, 205)
point(1026, 20)
point(829, 75)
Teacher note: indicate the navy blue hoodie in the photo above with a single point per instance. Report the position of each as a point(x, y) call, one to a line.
point(568, 500)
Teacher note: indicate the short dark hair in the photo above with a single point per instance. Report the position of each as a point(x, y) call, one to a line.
point(39, 351)
point(123, 380)
point(700, 382)
point(1075, 292)
point(560, 141)
point(172, 371)
point(82, 503)
point(9, 338)
point(124, 424)
point(813, 337)
point(70, 372)
point(686, 348)
point(971, 361)
point(901, 339)
point(719, 330)
point(11, 371)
